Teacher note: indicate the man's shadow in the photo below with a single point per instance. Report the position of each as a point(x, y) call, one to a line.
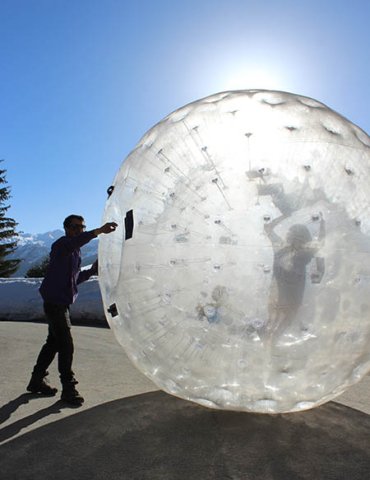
point(7, 410)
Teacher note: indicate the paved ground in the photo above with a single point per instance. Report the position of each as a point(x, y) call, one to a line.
point(100, 364)
point(124, 432)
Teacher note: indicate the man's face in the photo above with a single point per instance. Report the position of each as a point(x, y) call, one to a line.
point(75, 228)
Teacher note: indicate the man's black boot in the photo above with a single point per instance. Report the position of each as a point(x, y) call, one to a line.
point(39, 384)
point(70, 394)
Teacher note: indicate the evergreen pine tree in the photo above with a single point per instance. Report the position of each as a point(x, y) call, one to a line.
point(8, 242)
point(39, 270)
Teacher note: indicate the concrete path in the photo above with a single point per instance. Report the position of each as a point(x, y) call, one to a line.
point(124, 432)
point(101, 366)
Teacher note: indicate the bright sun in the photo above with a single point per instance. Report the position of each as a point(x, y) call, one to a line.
point(254, 78)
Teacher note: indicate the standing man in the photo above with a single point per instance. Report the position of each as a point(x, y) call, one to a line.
point(59, 291)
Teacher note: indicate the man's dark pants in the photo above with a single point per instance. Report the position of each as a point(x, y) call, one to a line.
point(59, 341)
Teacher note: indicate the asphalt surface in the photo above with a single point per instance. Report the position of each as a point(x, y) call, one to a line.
point(127, 429)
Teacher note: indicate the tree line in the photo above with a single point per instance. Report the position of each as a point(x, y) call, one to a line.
point(9, 237)
point(8, 233)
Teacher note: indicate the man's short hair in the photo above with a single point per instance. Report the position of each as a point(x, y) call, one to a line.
point(69, 220)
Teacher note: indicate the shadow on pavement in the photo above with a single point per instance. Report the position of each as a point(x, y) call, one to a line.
point(156, 436)
point(6, 411)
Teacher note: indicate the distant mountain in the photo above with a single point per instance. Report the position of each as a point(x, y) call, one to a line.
point(33, 248)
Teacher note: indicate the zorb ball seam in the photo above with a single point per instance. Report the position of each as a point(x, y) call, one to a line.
point(238, 277)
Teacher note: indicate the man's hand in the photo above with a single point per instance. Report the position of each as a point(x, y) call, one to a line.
point(108, 227)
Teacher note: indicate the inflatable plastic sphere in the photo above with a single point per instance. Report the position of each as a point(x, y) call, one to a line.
point(239, 276)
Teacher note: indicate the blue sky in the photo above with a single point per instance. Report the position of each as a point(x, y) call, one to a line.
point(83, 80)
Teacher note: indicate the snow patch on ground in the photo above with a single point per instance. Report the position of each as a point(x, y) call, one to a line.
point(20, 300)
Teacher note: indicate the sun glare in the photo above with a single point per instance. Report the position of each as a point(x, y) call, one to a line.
point(250, 78)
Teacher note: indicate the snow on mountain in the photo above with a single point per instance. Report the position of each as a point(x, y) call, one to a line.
point(33, 248)
point(44, 239)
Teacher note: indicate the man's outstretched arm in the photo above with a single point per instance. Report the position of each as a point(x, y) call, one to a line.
point(108, 227)
point(71, 243)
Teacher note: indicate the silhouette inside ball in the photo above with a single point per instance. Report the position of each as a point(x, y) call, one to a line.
point(239, 275)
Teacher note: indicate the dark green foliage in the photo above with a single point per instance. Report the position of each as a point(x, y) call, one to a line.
point(38, 271)
point(8, 235)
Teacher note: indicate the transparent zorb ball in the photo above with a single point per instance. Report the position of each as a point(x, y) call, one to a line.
point(239, 276)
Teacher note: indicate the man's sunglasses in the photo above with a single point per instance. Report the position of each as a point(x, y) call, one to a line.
point(76, 226)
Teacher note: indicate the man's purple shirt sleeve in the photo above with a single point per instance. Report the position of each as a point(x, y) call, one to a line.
point(86, 274)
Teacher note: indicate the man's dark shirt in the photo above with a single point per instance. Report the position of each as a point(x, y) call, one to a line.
point(64, 271)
